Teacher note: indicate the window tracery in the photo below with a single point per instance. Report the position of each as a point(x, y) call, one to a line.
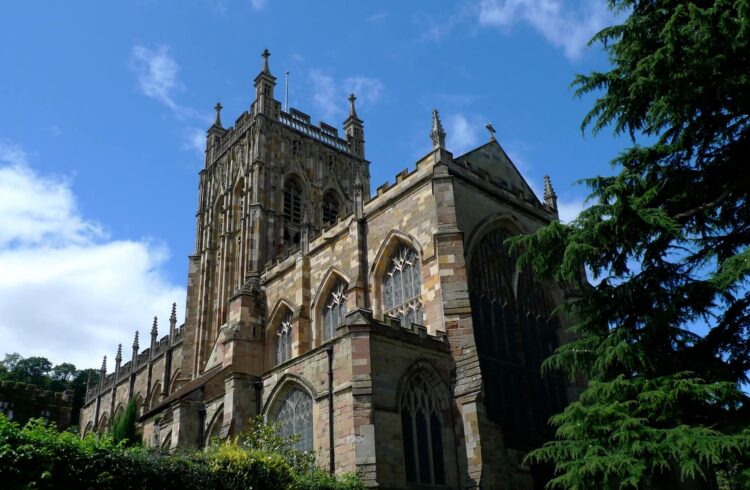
point(295, 418)
point(402, 287)
point(292, 211)
point(515, 332)
point(334, 310)
point(284, 339)
point(422, 431)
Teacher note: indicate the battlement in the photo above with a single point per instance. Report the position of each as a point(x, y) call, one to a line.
point(325, 133)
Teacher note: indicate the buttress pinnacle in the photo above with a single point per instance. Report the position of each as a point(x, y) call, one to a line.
point(550, 198)
point(438, 133)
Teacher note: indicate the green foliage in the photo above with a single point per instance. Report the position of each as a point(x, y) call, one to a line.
point(664, 336)
point(123, 426)
point(37, 456)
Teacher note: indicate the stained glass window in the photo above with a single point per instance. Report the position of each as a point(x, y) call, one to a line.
point(295, 418)
point(334, 310)
point(422, 431)
point(515, 332)
point(284, 340)
point(402, 287)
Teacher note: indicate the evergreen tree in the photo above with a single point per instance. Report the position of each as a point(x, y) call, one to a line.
point(123, 426)
point(663, 337)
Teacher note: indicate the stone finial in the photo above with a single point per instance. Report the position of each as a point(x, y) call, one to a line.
point(218, 107)
point(266, 53)
point(438, 133)
point(135, 341)
point(173, 315)
point(118, 356)
point(155, 328)
point(103, 369)
point(352, 109)
point(550, 198)
point(491, 130)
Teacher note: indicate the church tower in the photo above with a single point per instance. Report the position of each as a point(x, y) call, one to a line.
point(268, 182)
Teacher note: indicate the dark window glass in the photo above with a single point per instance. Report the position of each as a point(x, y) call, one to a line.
point(407, 430)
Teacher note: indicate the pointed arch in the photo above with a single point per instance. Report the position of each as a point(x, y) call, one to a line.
point(104, 423)
point(140, 407)
point(292, 409)
point(331, 279)
point(426, 425)
point(88, 429)
point(278, 333)
point(118, 412)
point(173, 380)
point(213, 429)
point(504, 219)
point(287, 382)
point(390, 246)
point(155, 395)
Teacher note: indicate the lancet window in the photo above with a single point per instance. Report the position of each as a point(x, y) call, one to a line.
point(284, 339)
point(292, 211)
point(334, 310)
point(295, 418)
point(402, 287)
point(422, 431)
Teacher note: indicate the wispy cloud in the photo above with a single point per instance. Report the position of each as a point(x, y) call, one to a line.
point(195, 140)
point(566, 24)
point(462, 132)
point(330, 96)
point(376, 17)
point(569, 209)
point(157, 74)
point(96, 291)
point(258, 4)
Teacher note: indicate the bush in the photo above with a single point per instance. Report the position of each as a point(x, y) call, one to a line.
point(38, 456)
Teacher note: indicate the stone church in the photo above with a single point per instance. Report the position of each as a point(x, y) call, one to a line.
point(392, 332)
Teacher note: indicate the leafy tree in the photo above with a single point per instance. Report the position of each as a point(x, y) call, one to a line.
point(664, 337)
point(64, 372)
point(34, 370)
point(10, 361)
point(123, 427)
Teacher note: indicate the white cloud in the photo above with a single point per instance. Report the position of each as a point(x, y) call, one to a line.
point(258, 4)
point(367, 90)
point(195, 140)
point(462, 133)
point(566, 25)
point(157, 74)
point(67, 292)
point(330, 96)
point(569, 209)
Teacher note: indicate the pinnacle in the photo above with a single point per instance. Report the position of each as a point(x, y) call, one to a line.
point(438, 133)
point(155, 328)
point(173, 316)
point(118, 357)
point(135, 340)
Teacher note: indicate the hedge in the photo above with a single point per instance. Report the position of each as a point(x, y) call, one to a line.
point(37, 456)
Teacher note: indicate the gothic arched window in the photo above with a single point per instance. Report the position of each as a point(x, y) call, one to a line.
point(334, 310)
point(330, 209)
point(284, 339)
point(514, 332)
point(402, 287)
point(422, 431)
point(292, 211)
point(295, 418)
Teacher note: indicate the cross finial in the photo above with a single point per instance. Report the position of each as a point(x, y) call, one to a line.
point(438, 133)
point(218, 107)
point(491, 129)
point(266, 53)
point(352, 110)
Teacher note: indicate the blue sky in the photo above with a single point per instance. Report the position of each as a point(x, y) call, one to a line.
point(104, 107)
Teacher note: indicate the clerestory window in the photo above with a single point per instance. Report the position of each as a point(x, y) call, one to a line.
point(295, 418)
point(334, 310)
point(422, 431)
point(402, 287)
point(284, 340)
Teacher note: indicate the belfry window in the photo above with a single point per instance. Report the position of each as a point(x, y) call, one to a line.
point(334, 310)
point(330, 209)
point(284, 340)
point(295, 418)
point(402, 287)
point(422, 431)
point(292, 211)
